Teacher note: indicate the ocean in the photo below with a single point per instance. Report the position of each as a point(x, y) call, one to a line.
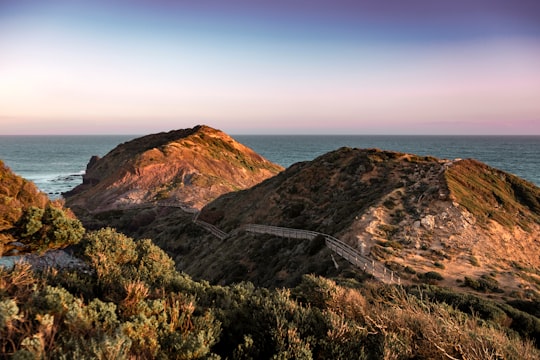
point(56, 163)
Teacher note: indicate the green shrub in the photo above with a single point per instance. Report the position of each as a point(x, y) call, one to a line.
point(49, 228)
point(30, 222)
point(484, 283)
point(388, 230)
point(119, 260)
point(432, 276)
point(9, 312)
point(529, 306)
point(140, 307)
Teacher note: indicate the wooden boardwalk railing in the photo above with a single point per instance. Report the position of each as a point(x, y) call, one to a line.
point(378, 270)
point(222, 235)
point(347, 252)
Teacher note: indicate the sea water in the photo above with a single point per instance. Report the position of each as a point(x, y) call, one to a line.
point(56, 163)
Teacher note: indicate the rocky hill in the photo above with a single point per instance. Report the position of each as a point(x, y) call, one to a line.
point(458, 223)
point(189, 167)
point(461, 222)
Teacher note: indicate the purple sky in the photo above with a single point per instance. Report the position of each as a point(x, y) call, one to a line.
point(308, 67)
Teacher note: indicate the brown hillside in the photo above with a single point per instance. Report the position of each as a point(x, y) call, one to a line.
point(415, 214)
point(29, 221)
point(189, 166)
point(16, 194)
point(460, 222)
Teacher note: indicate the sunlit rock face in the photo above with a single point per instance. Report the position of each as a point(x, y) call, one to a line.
point(189, 167)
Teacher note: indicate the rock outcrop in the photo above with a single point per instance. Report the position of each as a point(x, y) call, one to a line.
point(189, 167)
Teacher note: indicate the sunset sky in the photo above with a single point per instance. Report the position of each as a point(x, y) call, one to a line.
point(270, 67)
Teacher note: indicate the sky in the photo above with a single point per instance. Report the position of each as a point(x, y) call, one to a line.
point(270, 67)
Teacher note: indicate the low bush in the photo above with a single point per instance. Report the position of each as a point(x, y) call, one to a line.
point(527, 325)
point(484, 284)
point(141, 308)
point(431, 276)
point(49, 228)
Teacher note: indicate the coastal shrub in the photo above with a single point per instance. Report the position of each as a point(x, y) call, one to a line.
point(484, 284)
point(79, 282)
point(49, 228)
point(431, 276)
point(394, 245)
point(16, 194)
point(109, 253)
point(118, 260)
point(388, 230)
point(526, 325)
point(389, 204)
point(409, 270)
point(154, 266)
point(158, 313)
point(30, 222)
point(529, 306)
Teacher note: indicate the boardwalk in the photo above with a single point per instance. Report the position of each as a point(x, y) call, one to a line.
point(375, 268)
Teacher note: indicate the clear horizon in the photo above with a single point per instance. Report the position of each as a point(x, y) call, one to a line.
point(280, 134)
point(247, 68)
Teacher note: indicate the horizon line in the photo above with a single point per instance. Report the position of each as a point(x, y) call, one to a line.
point(280, 134)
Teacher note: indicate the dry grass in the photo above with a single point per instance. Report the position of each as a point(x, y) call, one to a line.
point(438, 331)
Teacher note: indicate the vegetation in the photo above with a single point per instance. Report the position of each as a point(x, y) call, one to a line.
point(49, 228)
point(15, 194)
point(485, 283)
point(490, 194)
point(30, 220)
point(133, 304)
point(431, 277)
point(130, 302)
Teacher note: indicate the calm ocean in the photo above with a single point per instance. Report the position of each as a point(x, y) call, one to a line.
point(56, 163)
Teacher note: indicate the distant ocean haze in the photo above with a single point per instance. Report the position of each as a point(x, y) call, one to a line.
point(56, 163)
